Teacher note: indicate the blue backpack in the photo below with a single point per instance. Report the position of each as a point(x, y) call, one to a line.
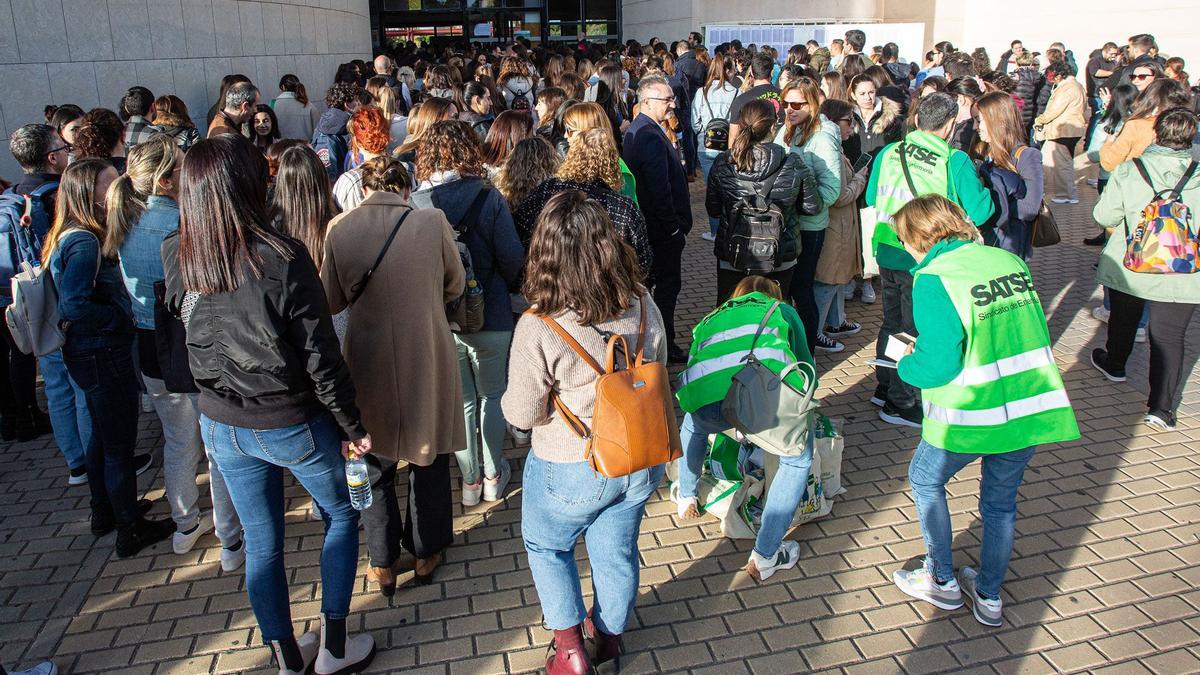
point(24, 223)
point(332, 150)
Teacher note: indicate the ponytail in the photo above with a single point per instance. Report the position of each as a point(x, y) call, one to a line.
point(755, 123)
point(147, 164)
point(125, 207)
point(301, 94)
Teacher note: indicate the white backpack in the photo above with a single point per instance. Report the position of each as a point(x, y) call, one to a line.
point(32, 317)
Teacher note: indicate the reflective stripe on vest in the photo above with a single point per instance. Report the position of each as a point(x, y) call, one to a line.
point(734, 333)
point(990, 372)
point(713, 365)
point(999, 415)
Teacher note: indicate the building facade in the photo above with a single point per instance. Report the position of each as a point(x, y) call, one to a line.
point(541, 21)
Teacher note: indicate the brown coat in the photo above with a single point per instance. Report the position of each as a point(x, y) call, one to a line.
point(398, 344)
point(841, 254)
point(1131, 141)
point(221, 125)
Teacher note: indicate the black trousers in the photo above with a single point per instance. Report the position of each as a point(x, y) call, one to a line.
point(666, 280)
point(427, 526)
point(1168, 333)
point(896, 291)
point(727, 280)
point(18, 372)
point(1122, 326)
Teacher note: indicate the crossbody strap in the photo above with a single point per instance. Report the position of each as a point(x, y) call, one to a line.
point(1177, 193)
point(572, 343)
point(357, 289)
point(762, 325)
point(912, 187)
point(470, 217)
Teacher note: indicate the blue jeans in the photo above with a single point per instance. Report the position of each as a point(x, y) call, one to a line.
point(931, 468)
point(252, 461)
point(67, 407)
point(109, 384)
point(831, 306)
point(564, 501)
point(707, 157)
point(787, 489)
point(483, 365)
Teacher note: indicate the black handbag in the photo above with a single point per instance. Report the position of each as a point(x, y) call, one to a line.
point(170, 341)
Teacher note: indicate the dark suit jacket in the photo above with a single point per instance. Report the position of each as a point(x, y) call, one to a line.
point(662, 187)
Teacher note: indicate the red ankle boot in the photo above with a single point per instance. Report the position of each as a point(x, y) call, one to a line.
point(569, 657)
point(608, 647)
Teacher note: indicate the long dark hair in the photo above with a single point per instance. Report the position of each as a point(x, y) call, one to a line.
point(292, 84)
point(509, 129)
point(756, 122)
point(720, 70)
point(1118, 107)
point(303, 202)
point(75, 205)
point(264, 142)
point(1158, 96)
point(223, 215)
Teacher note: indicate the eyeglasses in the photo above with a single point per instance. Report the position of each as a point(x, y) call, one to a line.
point(796, 105)
point(65, 146)
point(1142, 76)
point(669, 99)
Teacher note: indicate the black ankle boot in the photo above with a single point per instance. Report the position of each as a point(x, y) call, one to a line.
point(131, 539)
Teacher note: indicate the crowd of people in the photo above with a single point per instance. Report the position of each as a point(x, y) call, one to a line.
point(300, 286)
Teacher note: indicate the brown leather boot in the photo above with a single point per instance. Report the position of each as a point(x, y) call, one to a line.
point(607, 647)
point(385, 577)
point(569, 656)
point(423, 570)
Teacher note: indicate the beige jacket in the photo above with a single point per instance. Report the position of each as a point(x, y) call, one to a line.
point(1064, 116)
point(1133, 139)
point(398, 344)
point(841, 254)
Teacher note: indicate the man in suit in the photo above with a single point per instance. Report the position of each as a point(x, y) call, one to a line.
point(662, 191)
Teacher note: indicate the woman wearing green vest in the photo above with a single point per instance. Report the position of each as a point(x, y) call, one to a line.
point(719, 343)
point(990, 390)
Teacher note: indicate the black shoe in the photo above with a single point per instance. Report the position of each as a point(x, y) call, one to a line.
point(1098, 240)
point(133, 538)
point(879, 398)
point(1100, 362)
point(141, 464)
point(78, 476)
point(676, 355)
point(906, 417)
point(103, 522)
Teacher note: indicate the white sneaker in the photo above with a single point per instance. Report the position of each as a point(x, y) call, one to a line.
point(1099, 313)
point(1140, 335)
point(1160, 421)
point(471, 492)
point(868, 293)
point(920, 584)
point(987, 612)
point(1063, 200)
point(357, 652)
point(493, 488)
point(708, 236)
point(1093, 182)
point(233, 558)
point(182, 542)
point(687, 508)
point(785, 558)
point(314, 513)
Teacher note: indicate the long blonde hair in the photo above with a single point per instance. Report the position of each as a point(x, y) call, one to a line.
point(385, 96)
point(929, 219)
point(76, 204)
point(593, 156)
point(147, 164)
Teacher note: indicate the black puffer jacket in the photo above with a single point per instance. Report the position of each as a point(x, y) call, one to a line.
point(1030, 83)
point(795, 191)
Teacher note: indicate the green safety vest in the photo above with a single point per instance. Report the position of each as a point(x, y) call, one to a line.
point(1009, 395)
point(722, 339)
point(929, 165)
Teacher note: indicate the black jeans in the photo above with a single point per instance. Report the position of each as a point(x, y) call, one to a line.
point(18, 372)
point(110, 385)
point(1168, 333)
point(1122, 327)
point(896, 291)
point(727, 280)
point(427, 527)
point(803, 278)
point(666, 280)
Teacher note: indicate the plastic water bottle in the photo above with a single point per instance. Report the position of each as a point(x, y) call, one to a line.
point(359, 483)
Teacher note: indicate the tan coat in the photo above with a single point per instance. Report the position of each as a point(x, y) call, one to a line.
point(841, 254)
point(1131, 141)
point(398, 344)
point(1064, 116)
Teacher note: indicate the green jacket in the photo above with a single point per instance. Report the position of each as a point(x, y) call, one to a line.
point(967, 191)
point(629, 187)
point(1120, 206)
point(822, 154)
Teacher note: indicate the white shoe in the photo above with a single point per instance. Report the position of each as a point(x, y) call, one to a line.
point(357, 651)
point(471, 493)
point(314, 513)
point(182, 542)
point(309, 644)
point(708, 236)
point(785, 558)
point(233, 559)
point(493, 488)
point(920, 584)
point(1099, 313)
point(1063, 200)
point(1093, 182)
point(868, 293)
point(987, 612)
point(687, 508)
point(1140, 335)
point(1159, 421)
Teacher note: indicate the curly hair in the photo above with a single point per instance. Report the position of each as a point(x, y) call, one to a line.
point(532, 161)
point(98, 133)
point(512, 66)
point(369, 130)
point(593, 156)
point(340, 94)
point(449, 145)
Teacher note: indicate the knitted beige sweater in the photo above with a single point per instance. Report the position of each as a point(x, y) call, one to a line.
point(541, 363)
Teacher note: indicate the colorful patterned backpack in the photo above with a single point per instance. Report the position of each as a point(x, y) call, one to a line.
point(1165, 240)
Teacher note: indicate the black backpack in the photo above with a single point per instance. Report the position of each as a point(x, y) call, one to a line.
point(520, 100)
point(755, 229)
point(716, 132)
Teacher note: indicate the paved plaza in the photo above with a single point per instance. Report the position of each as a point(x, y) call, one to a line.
point(1104, 573)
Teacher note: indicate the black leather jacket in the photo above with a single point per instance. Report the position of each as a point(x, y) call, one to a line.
point(265, 356)
point(795, 191)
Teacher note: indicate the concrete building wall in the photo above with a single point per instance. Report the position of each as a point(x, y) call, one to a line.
point(88, 52)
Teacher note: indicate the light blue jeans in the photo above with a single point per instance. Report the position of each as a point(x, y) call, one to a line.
point(707, 157)
point(253, 461)
point(831, 306)
point(787, 489)
point(483, 365)
point(564, 501)
point(931, 468)
point(182, 451)
point(67, 408)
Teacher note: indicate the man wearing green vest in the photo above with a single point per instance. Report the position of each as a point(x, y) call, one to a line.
point(991, 391)
point(929, 166)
